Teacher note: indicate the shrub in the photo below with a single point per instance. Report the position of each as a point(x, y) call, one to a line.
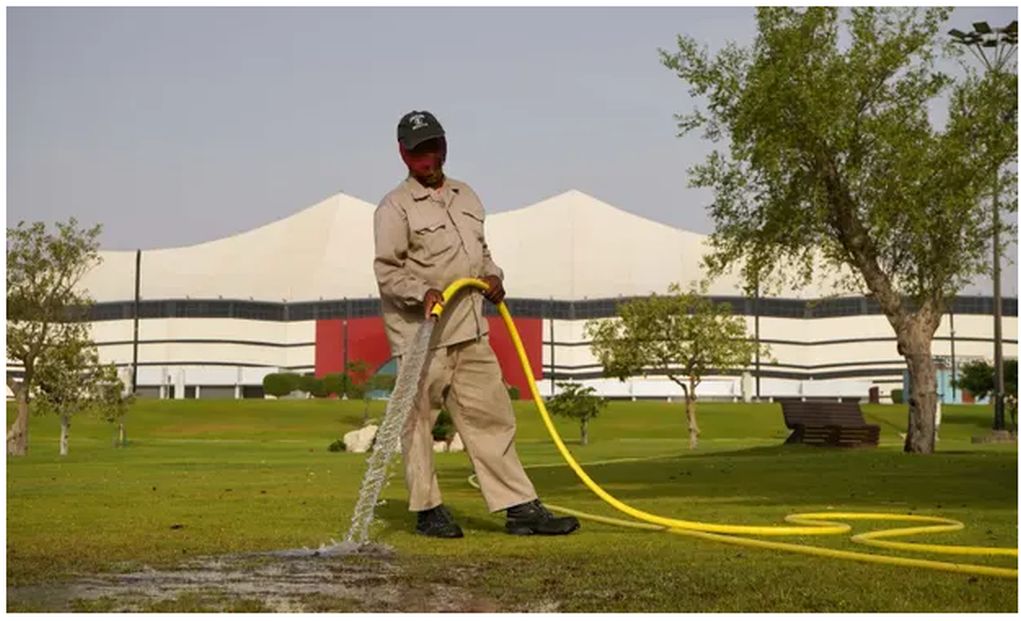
point(444, 430)
point(279, 384)
point(897, 395)
point(312, 385)
point(334, 384)
point(338, 446)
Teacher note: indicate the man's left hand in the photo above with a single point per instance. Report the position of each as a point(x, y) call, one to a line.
point(494, 292)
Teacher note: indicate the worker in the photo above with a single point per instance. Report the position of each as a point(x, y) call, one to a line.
point(429, 231)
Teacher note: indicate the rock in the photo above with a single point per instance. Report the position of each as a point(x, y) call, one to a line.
point(456, 445)
point(439, 446)
point(360, 440)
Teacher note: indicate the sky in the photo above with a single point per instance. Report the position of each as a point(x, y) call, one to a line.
point(175, 126)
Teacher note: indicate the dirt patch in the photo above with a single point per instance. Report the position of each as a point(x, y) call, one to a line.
point(372, 581)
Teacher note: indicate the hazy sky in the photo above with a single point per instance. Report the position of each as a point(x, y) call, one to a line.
point(176, 126)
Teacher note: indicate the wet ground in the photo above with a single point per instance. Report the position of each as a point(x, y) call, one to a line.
point(371, 580)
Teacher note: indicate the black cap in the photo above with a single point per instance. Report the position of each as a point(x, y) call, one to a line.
point(416, 127)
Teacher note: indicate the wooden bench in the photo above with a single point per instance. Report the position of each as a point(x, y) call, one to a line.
point(828, 423)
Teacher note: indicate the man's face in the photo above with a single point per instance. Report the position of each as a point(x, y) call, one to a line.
point(425, 161)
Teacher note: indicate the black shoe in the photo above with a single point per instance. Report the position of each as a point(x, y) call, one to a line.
point(531, 518)
point(437, 522)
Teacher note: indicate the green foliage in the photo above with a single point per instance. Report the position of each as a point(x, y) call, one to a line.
point(359, 373)
point(513, 393)
point(334, 383)
point(382, 381)
point(684, 335)
point(312, 385)
point(280, 384)
point(577, 402)
point(44, 269)
point(337, 446)
point(897, 395)
point(978, 378)
point(444, 430)
point(830, 160)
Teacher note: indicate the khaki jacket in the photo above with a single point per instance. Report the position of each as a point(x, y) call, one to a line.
point(425, 239)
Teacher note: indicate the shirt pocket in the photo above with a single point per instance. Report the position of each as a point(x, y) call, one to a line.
point(431, 238)
point(473, 222)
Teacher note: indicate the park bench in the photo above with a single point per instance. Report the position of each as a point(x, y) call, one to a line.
point(828, 423)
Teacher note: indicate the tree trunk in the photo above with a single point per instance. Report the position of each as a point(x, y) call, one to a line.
point(917, 351)
point(17, 437)
point(584, 431)
point(122, 436)
point(689, 409)
point(65, 430)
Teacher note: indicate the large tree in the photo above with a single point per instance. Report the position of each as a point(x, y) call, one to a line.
point(44, 269)
point(683, 335)
point(829, 161)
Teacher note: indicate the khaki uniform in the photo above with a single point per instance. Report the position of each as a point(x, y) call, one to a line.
point(425, 239)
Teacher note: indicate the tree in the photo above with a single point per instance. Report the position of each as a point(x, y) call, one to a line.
point(43, 272)
point(71, 381)
point(830, 164)
point(578, 402)
point(978, 378)
point(682, 335)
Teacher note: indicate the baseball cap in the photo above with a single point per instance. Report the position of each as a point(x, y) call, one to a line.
point(416, 127)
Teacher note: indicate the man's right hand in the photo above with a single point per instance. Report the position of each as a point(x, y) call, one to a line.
point(432, 298)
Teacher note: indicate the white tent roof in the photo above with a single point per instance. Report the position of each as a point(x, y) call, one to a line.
point(569, 247)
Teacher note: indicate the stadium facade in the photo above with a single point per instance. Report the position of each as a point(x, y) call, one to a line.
point(299, 295)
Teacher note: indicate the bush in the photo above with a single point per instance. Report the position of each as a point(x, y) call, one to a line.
point(334, 384)
point(444, 430)
point(280, 384)
point(338, 446)
point(897, 395)
point(514, 393)
point(312, 385)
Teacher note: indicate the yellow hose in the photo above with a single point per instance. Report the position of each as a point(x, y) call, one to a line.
point(805, 523)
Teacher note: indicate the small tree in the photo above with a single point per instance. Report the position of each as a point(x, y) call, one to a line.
point(682, 335)
point(977, 377)
point(71, 381)
point(43, 272)
point(578, 402)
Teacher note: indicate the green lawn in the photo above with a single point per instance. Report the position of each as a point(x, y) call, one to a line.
point(217, 477)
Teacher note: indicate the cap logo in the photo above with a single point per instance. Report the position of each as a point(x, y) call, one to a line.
point(417, 121)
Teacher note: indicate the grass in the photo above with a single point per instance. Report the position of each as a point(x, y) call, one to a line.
point(217, 477)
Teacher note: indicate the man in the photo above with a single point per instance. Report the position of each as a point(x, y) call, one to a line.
point(429, 232)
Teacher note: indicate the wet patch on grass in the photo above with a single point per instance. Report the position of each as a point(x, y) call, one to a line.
point(370, 581)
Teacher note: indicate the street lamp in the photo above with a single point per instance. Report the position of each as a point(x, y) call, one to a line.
point(1002, 42)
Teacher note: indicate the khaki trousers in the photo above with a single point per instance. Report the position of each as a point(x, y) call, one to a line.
point(466, 379)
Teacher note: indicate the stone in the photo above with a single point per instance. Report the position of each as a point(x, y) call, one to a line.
point(456, 445)
point(360, 440)
point(439, 446)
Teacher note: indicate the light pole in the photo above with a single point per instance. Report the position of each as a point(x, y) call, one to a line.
point(1002, 42)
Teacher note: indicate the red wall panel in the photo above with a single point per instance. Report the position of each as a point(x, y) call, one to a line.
point(366, 340)
point(530, 331)
point(329, 346)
